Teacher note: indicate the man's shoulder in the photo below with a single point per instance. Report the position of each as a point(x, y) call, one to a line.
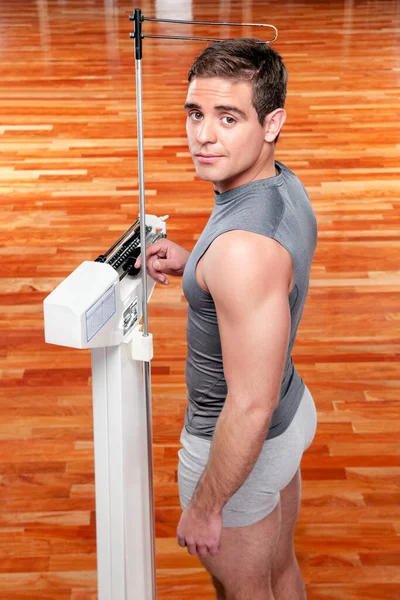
point(241, 259)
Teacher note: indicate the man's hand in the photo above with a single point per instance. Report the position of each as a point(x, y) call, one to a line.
point(164, 258)
point(200, 532)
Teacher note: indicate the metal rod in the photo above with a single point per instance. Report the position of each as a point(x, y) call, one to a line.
point(146, 365)
point(196, 39)
point(184, 22)
point(205, 22)
point(139, 110)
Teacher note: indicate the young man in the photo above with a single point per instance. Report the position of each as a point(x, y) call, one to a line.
point(250, 416)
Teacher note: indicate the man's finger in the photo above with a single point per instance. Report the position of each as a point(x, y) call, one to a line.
point(203, 551)
point(153, 249)
point(181, 541)
point(158, 277)
point(155, 274)
point(165, 264)
point(192, 549)
point(213, 550)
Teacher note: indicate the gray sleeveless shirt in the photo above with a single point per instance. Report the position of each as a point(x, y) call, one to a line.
point(279, 208)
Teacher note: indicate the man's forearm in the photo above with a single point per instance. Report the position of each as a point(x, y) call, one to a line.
point(237, 442)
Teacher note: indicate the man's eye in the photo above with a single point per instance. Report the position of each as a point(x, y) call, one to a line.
point(228, 120)
point(195, 116)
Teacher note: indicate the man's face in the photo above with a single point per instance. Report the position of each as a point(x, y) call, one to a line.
point(226, 140)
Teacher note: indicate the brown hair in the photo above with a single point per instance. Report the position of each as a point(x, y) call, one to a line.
point(246, 59)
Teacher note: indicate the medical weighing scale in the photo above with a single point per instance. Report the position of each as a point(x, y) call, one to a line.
point(102, 305)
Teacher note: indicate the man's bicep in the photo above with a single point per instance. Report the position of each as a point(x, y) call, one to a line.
point(249, 276)
point(254, 347)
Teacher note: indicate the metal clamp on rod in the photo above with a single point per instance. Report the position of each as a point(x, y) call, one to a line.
point(137, 35)
point(141, 347)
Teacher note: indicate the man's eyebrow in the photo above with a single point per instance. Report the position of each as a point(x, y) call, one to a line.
point(233, 109)
point(191, 105)
point(219, 108)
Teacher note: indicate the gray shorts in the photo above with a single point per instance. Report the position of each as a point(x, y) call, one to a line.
point(276, 465)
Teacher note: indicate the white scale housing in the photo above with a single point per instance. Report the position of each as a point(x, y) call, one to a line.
point(93, 309)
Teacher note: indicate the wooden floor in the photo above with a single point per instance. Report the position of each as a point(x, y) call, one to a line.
point(68, 189)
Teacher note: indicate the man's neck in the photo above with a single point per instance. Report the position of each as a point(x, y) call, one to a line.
point(265, 172)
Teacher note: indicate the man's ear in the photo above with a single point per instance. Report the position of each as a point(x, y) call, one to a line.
point(273, 124)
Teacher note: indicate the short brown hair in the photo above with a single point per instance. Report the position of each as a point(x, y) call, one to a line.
point(246, 59)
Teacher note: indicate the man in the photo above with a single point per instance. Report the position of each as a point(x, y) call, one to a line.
point(250, 416)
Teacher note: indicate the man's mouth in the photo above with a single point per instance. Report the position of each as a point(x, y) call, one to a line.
point(207, 158)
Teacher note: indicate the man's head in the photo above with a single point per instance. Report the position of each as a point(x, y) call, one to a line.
point(235, 100)
point(246, 59)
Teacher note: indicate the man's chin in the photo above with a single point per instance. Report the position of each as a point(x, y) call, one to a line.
point(206, 174)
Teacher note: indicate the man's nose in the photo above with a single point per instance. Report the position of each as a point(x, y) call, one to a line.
point(206, 132)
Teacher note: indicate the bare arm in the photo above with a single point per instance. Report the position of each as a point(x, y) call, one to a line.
point(249, 278)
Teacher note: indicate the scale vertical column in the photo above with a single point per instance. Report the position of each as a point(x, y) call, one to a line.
point(102, 473)
point(124, 545)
